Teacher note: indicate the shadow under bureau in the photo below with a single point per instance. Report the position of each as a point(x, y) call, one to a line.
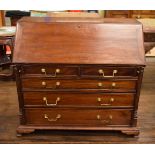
point(78, 74)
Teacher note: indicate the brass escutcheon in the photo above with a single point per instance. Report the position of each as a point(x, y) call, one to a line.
point(113, 84)
point(100, 84)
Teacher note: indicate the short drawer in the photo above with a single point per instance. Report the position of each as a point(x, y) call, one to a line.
point(109, 72)
point(56, 99)
point(40, 83)
point(85, 117)
point(50, 70)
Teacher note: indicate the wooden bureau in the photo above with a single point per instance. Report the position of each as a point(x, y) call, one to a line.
point(78, 74)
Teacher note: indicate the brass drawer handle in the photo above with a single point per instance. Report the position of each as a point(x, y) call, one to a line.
point(57, 84)
point(52, 119)
point(107, 121)
point(43, 70)
point(102, 72)
point(113, 84)
point(105, 104)
point(46, 101)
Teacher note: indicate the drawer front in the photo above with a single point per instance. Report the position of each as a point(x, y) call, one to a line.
point(109, 72)
point(54, 99)
point(143, 16)
point(118, 13)
point(120, 16)
point(84, 117)
point(149, 37)
point(144, 12)
point(78, 84)
point(51, 71)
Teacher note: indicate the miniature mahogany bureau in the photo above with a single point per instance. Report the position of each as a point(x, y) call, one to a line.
point(78, 74)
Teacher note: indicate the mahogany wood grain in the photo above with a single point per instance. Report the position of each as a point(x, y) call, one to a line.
point(50, 70)
point(73, 70)
point(73, 135)
point(78, 117)
point(79, 57)
point(78, 99)
point(79, 42)
point(108, 71)
point(51, 84)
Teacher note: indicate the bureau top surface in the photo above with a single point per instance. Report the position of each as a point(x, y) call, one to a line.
point(79, 41)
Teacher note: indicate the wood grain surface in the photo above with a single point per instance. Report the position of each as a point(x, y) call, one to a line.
point(9, 119)
point(79, 42)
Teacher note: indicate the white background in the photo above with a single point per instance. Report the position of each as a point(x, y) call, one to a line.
point(77, 4)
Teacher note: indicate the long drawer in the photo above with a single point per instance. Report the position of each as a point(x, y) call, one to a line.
point(44, 83)
point(78, 70)
point(84, 117)
point(52, 99)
